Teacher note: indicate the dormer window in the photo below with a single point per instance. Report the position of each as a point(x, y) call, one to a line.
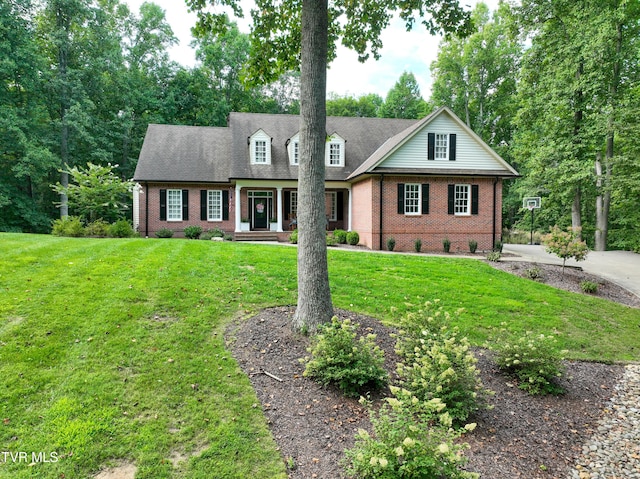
point(334, 152)
point(293, 148)
point(260, 144)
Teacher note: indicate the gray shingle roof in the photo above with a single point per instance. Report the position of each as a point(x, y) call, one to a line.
point(184, 154)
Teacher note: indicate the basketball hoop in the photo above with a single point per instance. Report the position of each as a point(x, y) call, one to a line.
point(532, 203)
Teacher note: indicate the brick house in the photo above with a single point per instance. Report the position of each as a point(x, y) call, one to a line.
point(429, 179)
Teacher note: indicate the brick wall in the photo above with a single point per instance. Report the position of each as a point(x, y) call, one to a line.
point(152, 191)
point(430, 228)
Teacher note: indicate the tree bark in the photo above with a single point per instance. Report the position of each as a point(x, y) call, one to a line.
point(576, 218)
point(601, 222)
point(314, 296)
point(63, 25)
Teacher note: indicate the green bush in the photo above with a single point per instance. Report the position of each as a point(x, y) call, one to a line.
point(338, 358)
point(340, 236)
point(498, 246)
point(293, 238)
point(121, 229)
point(391, 243)
point(589, 287)
point(533, 360)
point(68, 226)
point(438, 363)
point(192, 231)
point(411, 439)
point(533, 273)
point(99, 228)
point(417, 245)
point(164, 233)
point(473, 246)
point(494, 256)
point(353, 238)
point(565, 244)
point(446, 245)
point(330, 240)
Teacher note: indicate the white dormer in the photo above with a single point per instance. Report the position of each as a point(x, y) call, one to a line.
point(260, 148)
point(334, 151)
point(293, 149)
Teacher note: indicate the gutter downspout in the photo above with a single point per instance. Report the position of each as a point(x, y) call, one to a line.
point(381, 215)
point(146, 210)
point(493, 235)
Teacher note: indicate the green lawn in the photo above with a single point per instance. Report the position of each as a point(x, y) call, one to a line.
point(112, 351)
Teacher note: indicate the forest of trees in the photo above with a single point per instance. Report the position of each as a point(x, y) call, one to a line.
point(551, 86)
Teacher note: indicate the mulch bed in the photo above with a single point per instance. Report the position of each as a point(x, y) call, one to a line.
point(522, 436)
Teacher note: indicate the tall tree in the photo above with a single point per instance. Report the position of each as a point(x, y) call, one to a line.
point(404, 99)
point(286, 38)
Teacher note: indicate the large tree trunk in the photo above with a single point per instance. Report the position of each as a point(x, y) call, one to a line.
point(576, 218)
point(602, 205)
point(63, 25)
point(314, 295)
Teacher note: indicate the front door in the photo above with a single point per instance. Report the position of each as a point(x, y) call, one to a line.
point(260, 213)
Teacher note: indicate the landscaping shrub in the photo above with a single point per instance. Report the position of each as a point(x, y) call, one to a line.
point(99, 228)
point(533, 273)
point(391, 243)
point(164, 233)
point(438, 363)
point(494, 256)
point(121, 229)
point(293, 238)
point(411, 439)
point(68, 226)
point(353, 238)
point(417, 245)
point(589, 287)
point(192, 231)
point(330, 240)
point(338, 358)
point(340, 236)
point(446, 245)
point(533, 360)
point(498, 246)
point(473, 246)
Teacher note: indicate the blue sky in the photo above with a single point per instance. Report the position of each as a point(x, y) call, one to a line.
point(403, 51)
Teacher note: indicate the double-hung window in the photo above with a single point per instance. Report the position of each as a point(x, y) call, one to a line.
point(442, 146)
point(294, 204)
point(332, 206)
point(462, 205)
point(335, 154)
point(174, 205)
point(260, 152)
point(214, 205)
point(411, 199)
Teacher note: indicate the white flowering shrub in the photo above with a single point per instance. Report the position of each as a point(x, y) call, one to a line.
point(337, 357)
point(533, 359)
point(411, 439)
point(438, 363)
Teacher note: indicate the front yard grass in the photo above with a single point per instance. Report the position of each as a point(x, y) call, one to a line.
point(112, 350)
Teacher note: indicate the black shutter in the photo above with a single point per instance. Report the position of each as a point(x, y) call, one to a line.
point(452, 199)
point(185, 205)
point(163, 205)
point(452, 147)
point(340, 205)
point(287, 205)
point(425, 198)
point(225, 205)
point(203, 205)
point(431, 146)
point(400, 198)
point(474, 199)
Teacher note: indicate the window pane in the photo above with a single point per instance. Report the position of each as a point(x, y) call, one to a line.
point(332, 205)
point(334, 153)
point(296, 153)
point(441, 146)
point(294, 204)
point(260, 151)
point(462, 202)
point(214, 205)
point(174, 205)
point(412, 198)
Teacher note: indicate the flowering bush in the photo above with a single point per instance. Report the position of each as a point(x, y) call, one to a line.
point(565, 244)
point(338, 358)
point(411, 439)
point(438, 363)
point(533, 359)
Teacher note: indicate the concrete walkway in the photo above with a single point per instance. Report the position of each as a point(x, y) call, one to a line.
point(620, 267)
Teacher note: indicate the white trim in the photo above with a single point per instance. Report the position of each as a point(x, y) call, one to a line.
point(260, 138)
point(210, 200)
point(418, 200)
point(170, 205)
point(337, 141)
point(468, 200)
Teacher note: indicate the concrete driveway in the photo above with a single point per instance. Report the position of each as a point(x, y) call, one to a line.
point(620, 267)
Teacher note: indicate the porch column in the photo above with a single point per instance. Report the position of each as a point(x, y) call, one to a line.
point(350, 209)
point(238, 207)
point(280, 213)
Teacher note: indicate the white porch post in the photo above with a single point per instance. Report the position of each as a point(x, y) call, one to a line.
point(350, 209)
point(238, 207)
point(280, 209)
